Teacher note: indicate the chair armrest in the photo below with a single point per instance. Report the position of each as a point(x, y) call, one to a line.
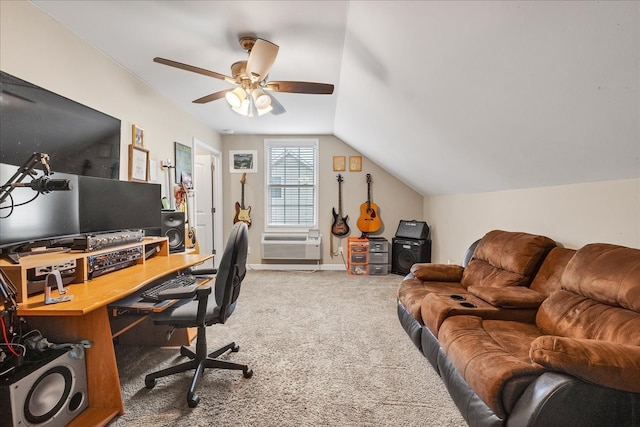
point(601, 362)
point(186, 292)
point(437, 272)
point(508, 296)
point(203, 271)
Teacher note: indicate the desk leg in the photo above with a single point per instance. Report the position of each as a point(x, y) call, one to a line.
point(102, 370)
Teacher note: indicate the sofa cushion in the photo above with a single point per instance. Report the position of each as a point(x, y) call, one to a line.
point(504, 258)
point(611, 365)
point(606, 273)
point(437, 272)
point(412, 291)
point(547, 278)
point(568, 314)
point(481, 273)
point(509, 297)
point(492, 356)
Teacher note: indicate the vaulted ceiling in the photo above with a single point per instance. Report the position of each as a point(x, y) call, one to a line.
point(448, 96)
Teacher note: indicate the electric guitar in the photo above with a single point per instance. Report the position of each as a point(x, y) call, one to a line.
point(243, 213)
point(369, 220)
point(339, 227)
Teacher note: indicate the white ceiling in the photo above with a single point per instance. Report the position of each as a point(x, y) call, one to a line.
point(450, 97)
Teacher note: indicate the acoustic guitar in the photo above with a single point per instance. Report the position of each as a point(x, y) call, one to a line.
point(243, 213)
point(339, 227)
point(190, 241)
point(369, 220)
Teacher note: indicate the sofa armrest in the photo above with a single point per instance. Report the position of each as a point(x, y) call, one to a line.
point(558, 399)
point(508, 297)
point(437, 272)
point(601, 362)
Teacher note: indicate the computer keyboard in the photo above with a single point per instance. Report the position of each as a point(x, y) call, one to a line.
point(151, 294)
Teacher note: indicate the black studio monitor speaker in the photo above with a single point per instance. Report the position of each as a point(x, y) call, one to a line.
point(173, 224)
point(406, 252)
point(47, 393)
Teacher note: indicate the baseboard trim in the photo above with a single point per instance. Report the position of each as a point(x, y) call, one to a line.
point(293, 267)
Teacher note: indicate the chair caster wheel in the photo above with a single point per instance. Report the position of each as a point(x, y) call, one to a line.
point(247, 373)
point(150, 382)
point(193, 400)
point(184, 352)
point(235, 348)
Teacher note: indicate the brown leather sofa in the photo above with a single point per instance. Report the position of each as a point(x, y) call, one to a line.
point(575, 362)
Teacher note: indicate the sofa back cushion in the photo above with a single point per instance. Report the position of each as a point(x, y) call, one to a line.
point(606, 273)
point(568, 314)
point(548, 277)
point(504, 258)
point(600, 296)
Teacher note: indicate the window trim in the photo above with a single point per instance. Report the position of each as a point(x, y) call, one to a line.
point(288, 142)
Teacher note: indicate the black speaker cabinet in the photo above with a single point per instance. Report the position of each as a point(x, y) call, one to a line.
point(406, 252)
point(173, 224)
point(47, 393)
point(412, 229)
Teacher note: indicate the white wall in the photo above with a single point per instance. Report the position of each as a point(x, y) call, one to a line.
point(572, 215)
point(37, 49)
point(395, 200)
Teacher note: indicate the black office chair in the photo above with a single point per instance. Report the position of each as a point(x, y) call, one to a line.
point(202, 311)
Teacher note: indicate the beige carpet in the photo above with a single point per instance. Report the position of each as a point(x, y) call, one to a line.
point(326, 349)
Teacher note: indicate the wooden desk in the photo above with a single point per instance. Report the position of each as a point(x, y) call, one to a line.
point(86, 316)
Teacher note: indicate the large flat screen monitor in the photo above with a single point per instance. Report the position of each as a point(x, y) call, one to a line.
point(112, 205)
point(49, 216)
point(78, 139)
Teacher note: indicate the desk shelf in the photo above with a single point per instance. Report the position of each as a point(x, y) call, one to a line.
point(18, 273)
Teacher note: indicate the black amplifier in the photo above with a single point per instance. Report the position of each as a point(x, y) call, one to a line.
point(413, 229)
point(97, 265)
point(94, 242)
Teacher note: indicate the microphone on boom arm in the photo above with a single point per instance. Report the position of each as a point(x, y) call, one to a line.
point(45, 185)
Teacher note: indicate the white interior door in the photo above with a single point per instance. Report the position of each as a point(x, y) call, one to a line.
point(208, 198)
point(204, 203)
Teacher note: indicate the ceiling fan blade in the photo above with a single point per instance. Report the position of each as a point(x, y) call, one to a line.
point(262, 56)
point(301, 87)
point(193, 69)
point(212, 97)
point(277, 107)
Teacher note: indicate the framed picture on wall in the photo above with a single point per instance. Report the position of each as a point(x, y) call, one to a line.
point(183, 161)
point(137, 136)
point(243, 161)
point(355, 163)
point(339, 163)
point(138, 163)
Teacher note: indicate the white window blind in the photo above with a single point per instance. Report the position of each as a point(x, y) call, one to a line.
point(291, 191)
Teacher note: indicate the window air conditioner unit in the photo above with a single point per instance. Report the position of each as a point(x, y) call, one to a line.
point(290, 246)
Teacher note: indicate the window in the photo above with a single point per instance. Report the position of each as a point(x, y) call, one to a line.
point(291, 177)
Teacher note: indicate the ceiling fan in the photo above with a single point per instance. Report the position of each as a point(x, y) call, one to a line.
point(250, 78)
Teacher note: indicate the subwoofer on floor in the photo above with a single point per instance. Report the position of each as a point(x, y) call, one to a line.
point(173, 224)
point(47, 393)
point(406, 252)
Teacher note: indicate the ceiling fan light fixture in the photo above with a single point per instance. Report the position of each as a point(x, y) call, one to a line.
point(236, 97)
point(265, 110)
point(261, 99)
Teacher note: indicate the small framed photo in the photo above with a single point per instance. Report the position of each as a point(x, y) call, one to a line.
point(339, 163)
point(355, 163)
point(138, 163)
point(137, 136)
point(243, 161)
